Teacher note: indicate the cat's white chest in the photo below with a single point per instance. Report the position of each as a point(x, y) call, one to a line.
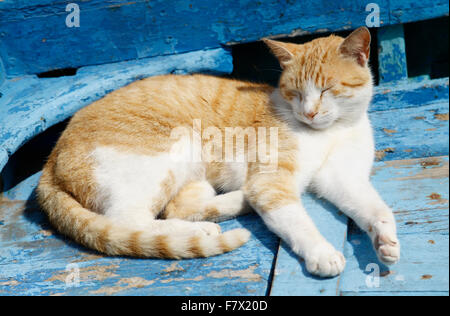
point(341, 147)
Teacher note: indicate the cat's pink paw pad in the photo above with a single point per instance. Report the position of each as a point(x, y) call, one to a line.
point(385, 242)
point(325, 261)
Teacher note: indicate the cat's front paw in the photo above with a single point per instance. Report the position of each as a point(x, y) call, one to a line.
point(385, 242)
point(325, 261)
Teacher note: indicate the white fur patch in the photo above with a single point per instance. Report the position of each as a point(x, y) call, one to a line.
point(129, 183)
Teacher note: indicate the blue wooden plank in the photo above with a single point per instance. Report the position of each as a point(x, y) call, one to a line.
point(34, 259)
point(30, 105)
point(3, 158)
point(23, 191)
point(411, 132)
point(36, 39)
point(404, 11)
point(392, 54)
point(423, 266)
point(2, 74)
point(417, 190)
point(291, 276)
point(409, 94)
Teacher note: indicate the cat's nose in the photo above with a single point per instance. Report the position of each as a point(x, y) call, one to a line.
point(311, 115)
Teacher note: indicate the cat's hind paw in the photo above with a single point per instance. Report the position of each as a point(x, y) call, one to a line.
point(325, 261)
point(386, 243)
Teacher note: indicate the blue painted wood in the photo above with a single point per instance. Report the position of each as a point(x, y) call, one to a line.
point(33, 260)
point(404, 11)
point(392, 53)
point(35, 38)
point(3, 159)
point(423, 267)
point(408, 94)
point(2, 73)
point(412, 132)
point(417, 190)
point(30, 105)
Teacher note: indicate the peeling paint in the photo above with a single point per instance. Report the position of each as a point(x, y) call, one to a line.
point(9, 283)
point(92, 273)
point(247, 275)
point(173, 267)
point(380, 154)
point(441, 117)
point(88, 257)
point(124, 284)
point(436, 168)
point(428, 162)
point(384, 274)
point(434, 196)
point(389, 131)
point(437, 199)
point(197, 278)
point(120, 4)
point(45, 232)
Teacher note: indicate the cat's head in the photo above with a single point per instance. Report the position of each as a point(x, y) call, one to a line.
point(326, 80)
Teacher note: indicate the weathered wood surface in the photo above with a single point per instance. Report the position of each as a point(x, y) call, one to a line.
point(30, 105)
point(392, 54)
point(412, 132)
point(33, 260)
point(408, 94)
point(34, 37)
point(417, 191)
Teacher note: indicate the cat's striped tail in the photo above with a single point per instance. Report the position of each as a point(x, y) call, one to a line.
point(97, 232)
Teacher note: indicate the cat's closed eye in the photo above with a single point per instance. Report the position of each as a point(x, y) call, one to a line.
point(298, 94)
point(325, 90)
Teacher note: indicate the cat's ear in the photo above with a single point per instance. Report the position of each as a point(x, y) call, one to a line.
point(283, 51)
point(357, 46)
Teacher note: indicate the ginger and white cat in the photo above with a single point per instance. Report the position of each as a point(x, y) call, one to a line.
point(111, 183)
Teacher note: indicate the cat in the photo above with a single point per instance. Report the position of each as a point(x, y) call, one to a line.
point(111, 182)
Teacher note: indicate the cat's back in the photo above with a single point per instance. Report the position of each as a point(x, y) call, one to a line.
point(187, 94)
point(156, 105)
point(134, 115)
